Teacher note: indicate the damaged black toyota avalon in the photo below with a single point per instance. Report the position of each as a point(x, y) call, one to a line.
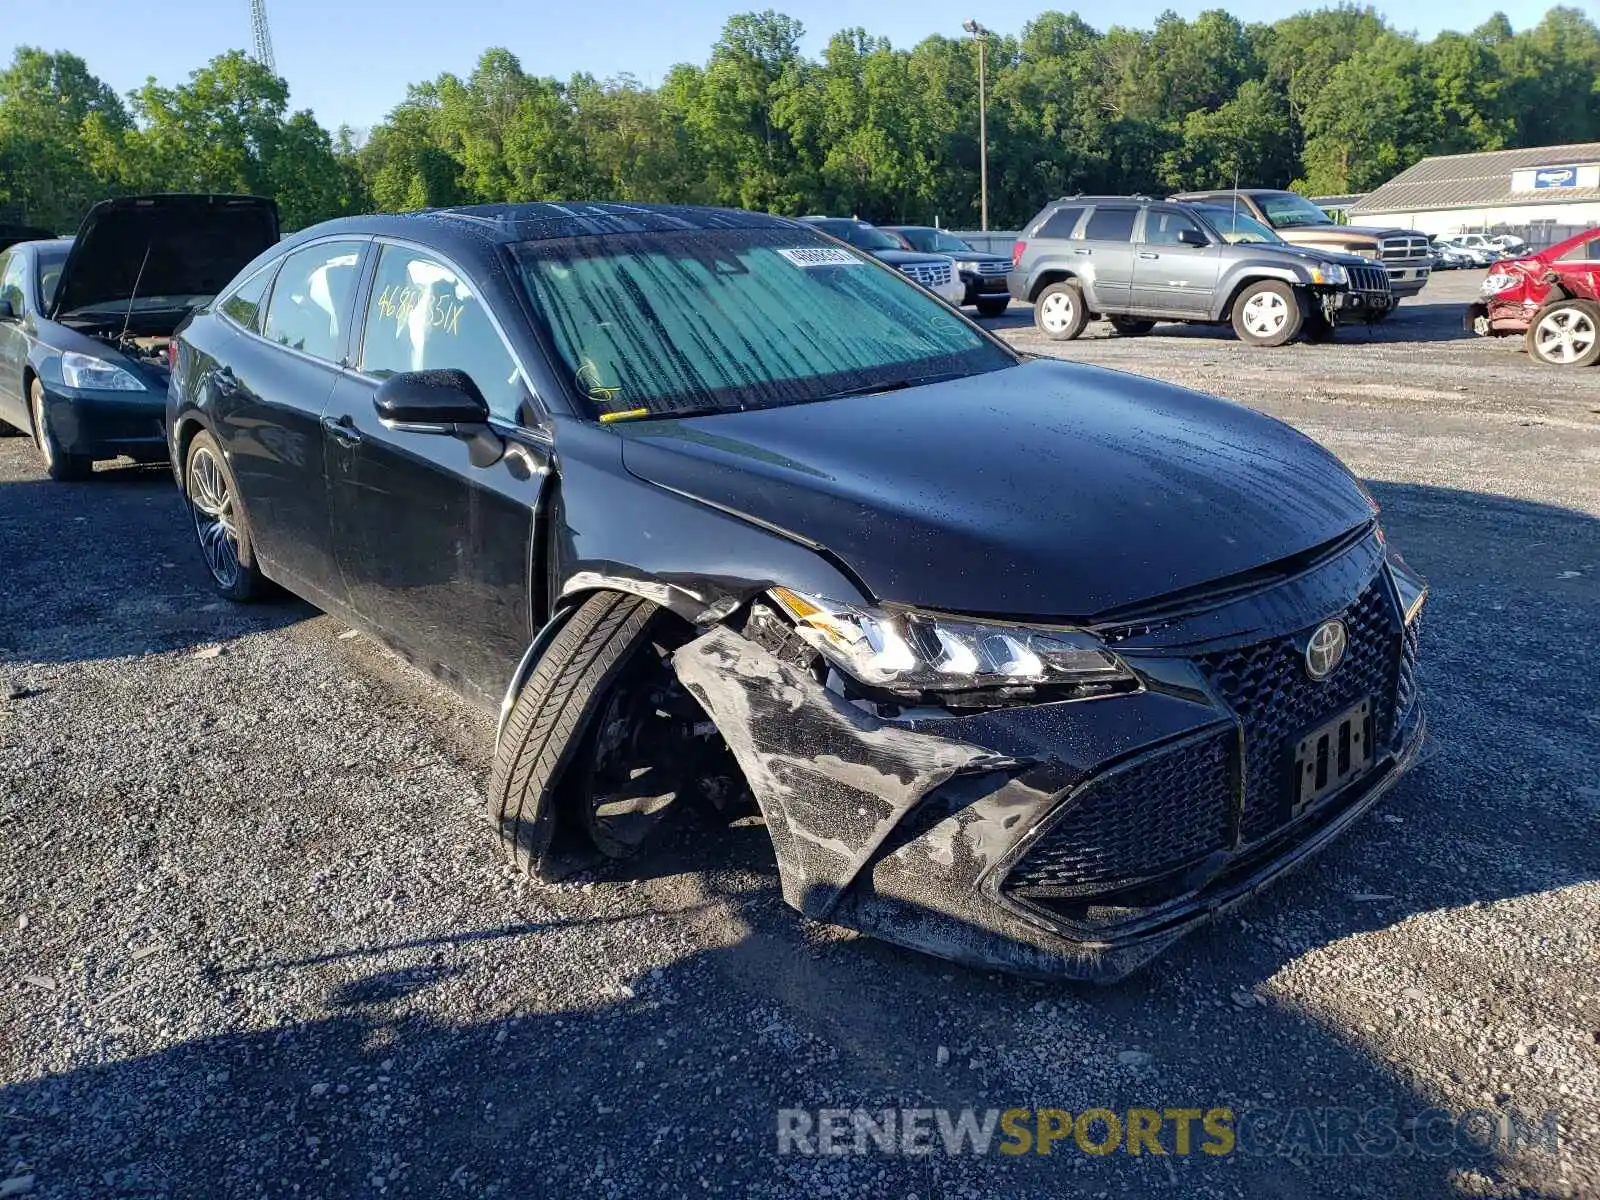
point(1026, 663)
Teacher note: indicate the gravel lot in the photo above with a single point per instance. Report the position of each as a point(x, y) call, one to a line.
point(255, 938)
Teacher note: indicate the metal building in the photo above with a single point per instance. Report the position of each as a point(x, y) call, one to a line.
point(1542, 194)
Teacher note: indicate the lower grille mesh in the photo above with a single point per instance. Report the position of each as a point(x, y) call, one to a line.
point(1156, 815)
point(1267, 687)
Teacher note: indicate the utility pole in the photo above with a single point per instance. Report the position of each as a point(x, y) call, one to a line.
point(263, 35)
point(981, 35)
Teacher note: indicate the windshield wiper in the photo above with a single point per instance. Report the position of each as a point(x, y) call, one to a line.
point(670, 414)
point(894, 385)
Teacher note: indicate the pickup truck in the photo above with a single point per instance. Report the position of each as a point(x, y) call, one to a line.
point(1404, 253)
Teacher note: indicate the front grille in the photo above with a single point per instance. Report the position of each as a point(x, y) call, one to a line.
point(1406, 692)
point(1369, 279)
point(929, 275)
point(990, 269)
point(1149, 818)
point(1276, 701)
point(1404, 248)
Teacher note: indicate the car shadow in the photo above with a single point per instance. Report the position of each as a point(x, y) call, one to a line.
point(109, 567)
point(404, 1071)
point(1415, 321)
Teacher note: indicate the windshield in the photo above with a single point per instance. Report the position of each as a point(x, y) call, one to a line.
point(1285, 210)
point(936, 241)
point(670, 323)
point(1234, 225)
point(50, 257)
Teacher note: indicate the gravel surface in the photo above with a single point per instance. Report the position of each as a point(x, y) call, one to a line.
point(255, 938)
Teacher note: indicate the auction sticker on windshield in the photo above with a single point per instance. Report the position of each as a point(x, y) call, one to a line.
point(821, 256)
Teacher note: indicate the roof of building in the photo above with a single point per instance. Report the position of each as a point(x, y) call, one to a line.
point(1478, 180)
point(1341, 201)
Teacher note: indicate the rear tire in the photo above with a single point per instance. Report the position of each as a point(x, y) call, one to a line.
point(58, 464)
point(1058, 312)
point(220, 527)
point(1566, 334)
point(1267, 313)
point(549, 722)
point(994, 308)
point(1131, 326)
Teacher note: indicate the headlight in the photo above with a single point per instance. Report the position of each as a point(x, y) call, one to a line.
point(967, 265)
point(1332, 274)
point(906, 652)
point(1413, 589)
point(1497, 281)
point(85, 371)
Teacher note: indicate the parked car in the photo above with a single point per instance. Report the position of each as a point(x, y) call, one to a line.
point(1478, 249)
point(1138, 261)
point(1508, 243)
point(85, 321)
point(10, 235)
point(933, 271)
point(1447, 257)
point(982, 274)
point(708, 504)
point(1401, 252)
point(1552, 298)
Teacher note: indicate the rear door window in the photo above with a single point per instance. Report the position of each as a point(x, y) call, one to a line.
point(1060, 224)
point(313, 298)
point(1111, 225)
point(424, 316)
point(1583, 252)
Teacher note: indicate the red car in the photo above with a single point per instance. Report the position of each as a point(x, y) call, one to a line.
point(1552, 298)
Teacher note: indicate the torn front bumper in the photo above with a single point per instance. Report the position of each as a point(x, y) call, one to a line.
point(1074, 839)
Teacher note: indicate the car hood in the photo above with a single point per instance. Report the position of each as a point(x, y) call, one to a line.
point(170, 245)
point(1045, 490)
point(1310, 254)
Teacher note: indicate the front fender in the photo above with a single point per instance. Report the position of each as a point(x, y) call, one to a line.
point(1241, 278)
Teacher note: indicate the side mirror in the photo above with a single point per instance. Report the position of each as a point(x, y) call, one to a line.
point(7, 313)
point(443, 401)
point(1192, 237)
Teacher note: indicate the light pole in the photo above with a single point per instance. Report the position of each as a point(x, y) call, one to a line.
point(981, 35)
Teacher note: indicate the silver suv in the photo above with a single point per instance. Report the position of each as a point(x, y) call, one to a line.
point(1138, 261)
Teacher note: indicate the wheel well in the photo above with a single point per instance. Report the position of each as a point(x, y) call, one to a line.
point(28, 376)
point(1045, 280)
point(1233, 296)
point(188, 426)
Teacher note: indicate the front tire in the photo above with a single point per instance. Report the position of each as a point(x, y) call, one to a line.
point(58, 464)
point(1267, 313)
point(1058, 312)
point(219, 521)
point(994, 308)
point(530, 800)
point(1566, 334)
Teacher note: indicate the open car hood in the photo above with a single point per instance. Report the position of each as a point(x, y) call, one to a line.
point(169, 245)
point(1045, 490)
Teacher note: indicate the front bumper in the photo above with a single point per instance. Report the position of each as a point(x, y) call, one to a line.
point(1003, 838)
point(103, 425)
point(1408, 278)
point(1488, 319)
point(983, 287)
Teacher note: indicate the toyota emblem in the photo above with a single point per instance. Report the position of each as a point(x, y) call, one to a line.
point(1325, 650)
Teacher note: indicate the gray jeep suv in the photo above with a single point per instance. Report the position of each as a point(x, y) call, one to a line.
point(1138, 261)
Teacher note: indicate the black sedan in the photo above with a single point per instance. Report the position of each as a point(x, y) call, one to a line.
point(1024, 663)
point(85, 321)
point(982, 274)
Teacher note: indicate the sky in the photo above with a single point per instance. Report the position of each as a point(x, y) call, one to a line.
point(349, 61)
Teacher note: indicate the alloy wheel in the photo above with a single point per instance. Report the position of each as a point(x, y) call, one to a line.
point(211, 504)
point(1265, 314)
point(1055, 312)
point(1565, 335)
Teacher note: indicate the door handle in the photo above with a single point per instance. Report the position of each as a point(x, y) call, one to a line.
point(1086, 252)
point(342, 430)
point(1148, 254)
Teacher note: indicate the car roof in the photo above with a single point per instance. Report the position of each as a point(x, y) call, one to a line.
point(501, 224)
